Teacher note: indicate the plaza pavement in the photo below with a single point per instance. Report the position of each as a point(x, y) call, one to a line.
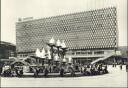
point(115, 78)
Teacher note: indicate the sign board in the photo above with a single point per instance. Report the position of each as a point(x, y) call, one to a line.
point(118, 53)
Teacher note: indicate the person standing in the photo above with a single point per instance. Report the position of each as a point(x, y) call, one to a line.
point(127, 68)
point(16, 70)
point(46, 72)
point(120, 66)
point(112, 64)
point(35, 71)
point(106, 69)
point(0, 70)
point(62, 72)
point(50, 69)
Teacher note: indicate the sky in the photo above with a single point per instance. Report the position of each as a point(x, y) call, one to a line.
point(11, 10)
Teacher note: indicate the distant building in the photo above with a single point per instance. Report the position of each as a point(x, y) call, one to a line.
point(89, 35)
point(7, 50)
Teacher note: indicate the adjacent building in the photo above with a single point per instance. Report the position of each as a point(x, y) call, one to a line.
point(7, 50)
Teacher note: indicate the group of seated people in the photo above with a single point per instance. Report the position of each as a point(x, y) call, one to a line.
point(9, 72)
point(97, 69)
point(86, 70)
point(48, 69)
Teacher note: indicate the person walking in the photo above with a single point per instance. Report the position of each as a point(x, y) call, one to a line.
point(85, 72)
point(127, 68)
point(35, 71)
point(0, 70)
point(62, 72)
point(50, 69)
point(46, 72)
point(112, 64)
point(17, 72)
point(106, 69)
point(120, 66)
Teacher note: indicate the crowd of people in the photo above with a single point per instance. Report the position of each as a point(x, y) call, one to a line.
point(83, 70)
point(7, 71)
point(97, 69)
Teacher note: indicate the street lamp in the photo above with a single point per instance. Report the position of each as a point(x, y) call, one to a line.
point(52, 41)
point(38, 54)
point(58, 45)
point(42, 55)
point(64, 61)
point(56, 59)
point(64, 48)
point(49, 57)
point(51, 44)
point(70, 60)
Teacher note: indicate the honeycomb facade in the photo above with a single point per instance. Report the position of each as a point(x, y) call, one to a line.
point(96, 29)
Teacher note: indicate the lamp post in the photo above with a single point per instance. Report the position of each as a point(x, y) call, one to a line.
point(69, 60)
point(42, 55)
point(51, 44)
point(37, 53)
point(58, 45)
point(56, 59)
point(64, 49)
point(49, 57)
